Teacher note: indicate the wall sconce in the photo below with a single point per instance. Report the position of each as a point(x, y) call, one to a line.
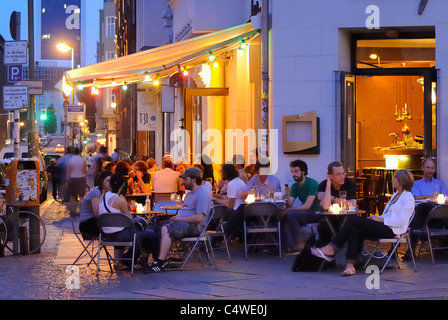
point(182, 123)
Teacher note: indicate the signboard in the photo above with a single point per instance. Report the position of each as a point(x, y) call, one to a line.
point(15, 73)
point(15, 97)
point(146, 112)
point(35, 87)
point(75, 112)
point(16, 52)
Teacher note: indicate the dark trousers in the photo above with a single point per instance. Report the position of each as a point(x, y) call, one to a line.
point(355, 230)
point(295, 219)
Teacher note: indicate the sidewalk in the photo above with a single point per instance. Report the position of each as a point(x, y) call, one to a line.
point(261, 277)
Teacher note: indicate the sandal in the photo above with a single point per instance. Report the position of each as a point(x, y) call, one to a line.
point(349, 271)
point(318, 253)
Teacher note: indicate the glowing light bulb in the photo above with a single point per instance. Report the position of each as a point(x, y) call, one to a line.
point(211, 57)
point(147, 78)
point(215, 64)
point(156, 82)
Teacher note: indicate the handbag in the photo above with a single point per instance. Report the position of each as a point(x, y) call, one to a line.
point(140, 224)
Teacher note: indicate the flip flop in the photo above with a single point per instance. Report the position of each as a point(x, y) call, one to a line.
point(348, 272)
point(318, 253)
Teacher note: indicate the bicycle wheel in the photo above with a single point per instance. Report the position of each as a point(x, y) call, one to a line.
point(3, 234)
point(35, 230)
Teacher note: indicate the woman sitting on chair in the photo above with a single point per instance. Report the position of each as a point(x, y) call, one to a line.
point(88, 223)
point(112, 202)
point(394, 221)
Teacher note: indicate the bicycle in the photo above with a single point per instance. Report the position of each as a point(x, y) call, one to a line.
point(31, 226)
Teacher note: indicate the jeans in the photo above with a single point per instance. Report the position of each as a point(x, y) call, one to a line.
point(294, 219)
point(354, 231)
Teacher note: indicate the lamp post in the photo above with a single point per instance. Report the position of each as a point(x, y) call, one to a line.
point(65, 48)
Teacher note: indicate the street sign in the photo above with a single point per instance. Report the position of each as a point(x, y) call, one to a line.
point(16, 52)
point(15, 97)
point(35, 87)
point(15, 73)
point(75, 112)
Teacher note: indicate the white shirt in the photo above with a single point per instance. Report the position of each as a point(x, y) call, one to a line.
point(78, 165)
point(234, 188)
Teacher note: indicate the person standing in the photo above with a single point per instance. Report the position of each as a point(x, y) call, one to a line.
point(76, 176)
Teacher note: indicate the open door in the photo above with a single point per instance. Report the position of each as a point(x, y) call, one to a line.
point(348, 124)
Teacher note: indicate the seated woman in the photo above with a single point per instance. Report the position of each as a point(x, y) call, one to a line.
point(88, 224)
point(233, 201)
point(393, 221)
point(139, 178)
point(113, 202)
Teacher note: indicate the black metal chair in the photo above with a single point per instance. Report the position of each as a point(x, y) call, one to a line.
point(261, 218)
point(436, 225)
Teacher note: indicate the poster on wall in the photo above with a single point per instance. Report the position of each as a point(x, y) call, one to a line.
point(146, 112)
point(61, 23)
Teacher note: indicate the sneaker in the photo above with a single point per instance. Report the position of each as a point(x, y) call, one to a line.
point(157, 266)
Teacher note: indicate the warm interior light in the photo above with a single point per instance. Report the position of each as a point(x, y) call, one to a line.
point(211, 57)
point(250, 198)
point(63, 47)
point(441, 199)
point(124, 87)
point(335, 208)
point(67, 89)
point(215, 64)
point(114, 83)
point(113, 105)
point(147, 77)
point(185, 73)
point(240, 51)
point(243, 44)
point(80, 87)
point(156, 82)
point(374, 56)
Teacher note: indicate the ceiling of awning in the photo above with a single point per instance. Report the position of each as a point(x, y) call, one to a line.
point(161, 61)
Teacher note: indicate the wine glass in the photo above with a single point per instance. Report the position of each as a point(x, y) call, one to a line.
point(173, 197)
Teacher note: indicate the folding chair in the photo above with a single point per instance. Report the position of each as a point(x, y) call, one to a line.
point(434, 226)
point(74, 209)
point(395, 242)
point(261, 218)
point(203, 238)
point(216, 227)
point(115, 220)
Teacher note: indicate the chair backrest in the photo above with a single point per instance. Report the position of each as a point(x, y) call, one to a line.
point(218, 214)
point(157, 197)
point(438, 212)
point(115, 220)
point(74, 208)
point(262, 209)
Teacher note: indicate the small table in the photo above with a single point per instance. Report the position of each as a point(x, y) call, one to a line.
point(176, 207)
point(342, 215)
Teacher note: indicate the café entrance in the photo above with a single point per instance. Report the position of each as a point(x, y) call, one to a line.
point(389, 107)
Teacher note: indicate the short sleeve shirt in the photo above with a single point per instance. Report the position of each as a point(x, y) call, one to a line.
point(196, 202)
point(309, 188)
point(348, 186)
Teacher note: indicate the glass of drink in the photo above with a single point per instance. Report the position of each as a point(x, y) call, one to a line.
point(343, 200)
point(436, 191)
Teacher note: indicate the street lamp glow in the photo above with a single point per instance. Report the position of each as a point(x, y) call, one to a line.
point(63, 47)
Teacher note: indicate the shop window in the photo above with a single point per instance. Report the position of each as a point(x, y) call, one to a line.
point(395, 53)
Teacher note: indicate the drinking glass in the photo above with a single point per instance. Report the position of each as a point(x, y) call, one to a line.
point(173, 197)
point(436, 190)
point(343, 200)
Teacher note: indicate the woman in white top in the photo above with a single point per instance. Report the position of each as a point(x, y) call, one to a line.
point(235, 186)
point(394, 221)
point(113, 202)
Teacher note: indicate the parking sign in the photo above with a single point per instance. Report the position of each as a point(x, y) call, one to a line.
point(15, 73)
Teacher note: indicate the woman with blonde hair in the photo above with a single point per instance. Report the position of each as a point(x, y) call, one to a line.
point(394, 221)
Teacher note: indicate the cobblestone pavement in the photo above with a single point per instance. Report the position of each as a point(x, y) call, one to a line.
point(263, 276)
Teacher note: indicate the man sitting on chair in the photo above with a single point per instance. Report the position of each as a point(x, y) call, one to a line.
point(190, 220)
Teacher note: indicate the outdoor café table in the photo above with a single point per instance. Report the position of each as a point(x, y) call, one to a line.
point(342, 216)
point(175, 207)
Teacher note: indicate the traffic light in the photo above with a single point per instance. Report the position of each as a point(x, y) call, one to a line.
point(43, 114)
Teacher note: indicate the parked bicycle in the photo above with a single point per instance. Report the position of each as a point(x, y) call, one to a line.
point(30, 226)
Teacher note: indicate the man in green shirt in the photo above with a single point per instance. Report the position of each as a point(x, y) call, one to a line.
point(297, 215)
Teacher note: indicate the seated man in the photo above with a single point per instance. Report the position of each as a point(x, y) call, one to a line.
point(305, 189)
point(190, 220)
point(425, 188)
point(263, 182)
point(329, 191)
